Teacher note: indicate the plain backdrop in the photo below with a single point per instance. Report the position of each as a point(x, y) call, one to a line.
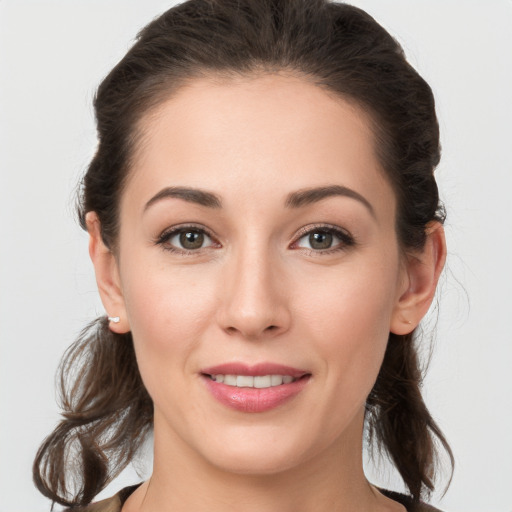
point(52, 56)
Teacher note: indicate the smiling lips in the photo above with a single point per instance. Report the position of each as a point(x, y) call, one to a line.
point(254, 388)
point(250, 381)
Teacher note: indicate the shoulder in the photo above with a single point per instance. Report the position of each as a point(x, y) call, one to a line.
point(112, 504)
point(115, 503)
point(408, 503)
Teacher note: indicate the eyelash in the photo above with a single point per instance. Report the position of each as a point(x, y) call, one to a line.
point(166, 236)
point(346, 240)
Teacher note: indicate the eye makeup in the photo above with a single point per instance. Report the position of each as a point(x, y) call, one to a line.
point(316, 239)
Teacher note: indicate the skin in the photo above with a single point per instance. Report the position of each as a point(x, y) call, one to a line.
point(256, 292)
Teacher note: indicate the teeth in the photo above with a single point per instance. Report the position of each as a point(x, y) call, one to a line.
point(264, 381)
point(249, 381)
point(230, 380)
point(244, 381)
point(276, 380)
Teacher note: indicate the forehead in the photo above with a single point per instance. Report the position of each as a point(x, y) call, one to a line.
point(266, 134)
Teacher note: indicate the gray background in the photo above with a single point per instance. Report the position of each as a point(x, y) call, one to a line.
point(53, 54)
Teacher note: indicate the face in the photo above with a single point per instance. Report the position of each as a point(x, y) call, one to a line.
point(259, 271)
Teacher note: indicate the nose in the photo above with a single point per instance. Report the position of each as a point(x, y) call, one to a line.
point(254, 296)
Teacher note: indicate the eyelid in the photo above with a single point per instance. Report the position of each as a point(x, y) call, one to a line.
point(320, 227)
point(347, 240)
point(345, 236)
point(163, 238)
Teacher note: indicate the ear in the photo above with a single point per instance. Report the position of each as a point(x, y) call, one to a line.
point(422, 271)
point(107, 275)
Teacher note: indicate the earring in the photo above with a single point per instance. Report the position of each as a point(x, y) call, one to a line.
point(114, 319)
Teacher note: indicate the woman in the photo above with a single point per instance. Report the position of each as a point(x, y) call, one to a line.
point(266, 233)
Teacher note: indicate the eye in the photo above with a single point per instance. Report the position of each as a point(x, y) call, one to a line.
point(325, 239)
point(185, 239)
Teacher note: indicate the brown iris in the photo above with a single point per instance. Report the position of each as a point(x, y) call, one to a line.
point(191, 239)
point(320, 240)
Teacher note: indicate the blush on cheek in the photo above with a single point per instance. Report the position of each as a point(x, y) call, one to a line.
point(169, 312)
point(351, 327)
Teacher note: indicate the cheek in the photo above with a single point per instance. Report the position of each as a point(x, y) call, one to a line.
point(348, 324)
point(168, 310)
point(164, 297)
point(349, 315)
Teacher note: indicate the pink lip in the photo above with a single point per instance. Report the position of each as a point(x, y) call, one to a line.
point(257, 370)
point(254, 399)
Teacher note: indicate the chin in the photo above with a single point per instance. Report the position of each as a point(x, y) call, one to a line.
point(259, 455)
point(256, 464)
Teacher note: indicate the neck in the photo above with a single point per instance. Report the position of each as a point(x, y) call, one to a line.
point(183, 481)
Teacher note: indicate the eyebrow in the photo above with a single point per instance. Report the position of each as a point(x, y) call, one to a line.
point(191, 195)
point(296, 199)
point(313, 195)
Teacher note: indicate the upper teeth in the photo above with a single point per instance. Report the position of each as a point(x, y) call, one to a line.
point(249, 381)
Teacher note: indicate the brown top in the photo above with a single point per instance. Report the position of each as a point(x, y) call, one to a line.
point(116, 502)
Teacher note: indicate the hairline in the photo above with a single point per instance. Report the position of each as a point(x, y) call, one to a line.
point(151, 110)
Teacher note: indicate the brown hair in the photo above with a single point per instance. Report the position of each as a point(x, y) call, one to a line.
point(107, 410)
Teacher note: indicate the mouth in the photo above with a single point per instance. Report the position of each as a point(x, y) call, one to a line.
point(254, 381)
point(254, 388)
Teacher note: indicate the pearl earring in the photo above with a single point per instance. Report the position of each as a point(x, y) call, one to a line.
point(114, 319)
